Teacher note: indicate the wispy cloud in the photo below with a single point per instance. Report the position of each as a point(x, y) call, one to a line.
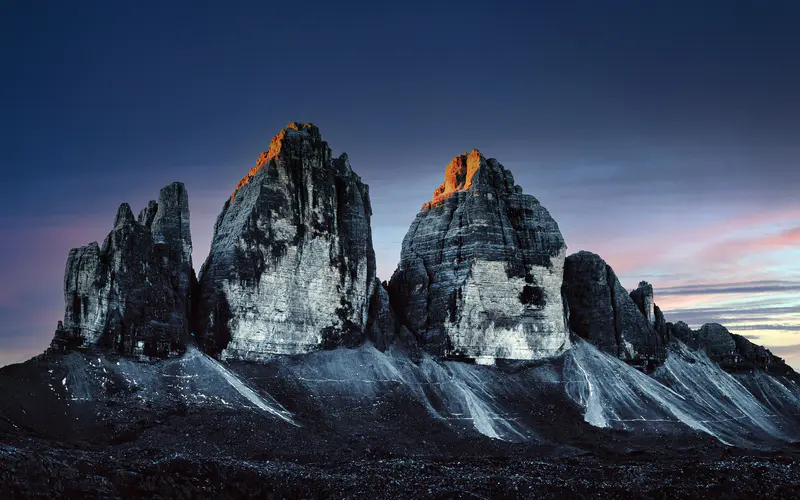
point(732, 288)
point(733, 249)
point(780, 328)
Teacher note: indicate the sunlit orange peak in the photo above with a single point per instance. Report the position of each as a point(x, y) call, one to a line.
point(457, 177)
point(275, 146)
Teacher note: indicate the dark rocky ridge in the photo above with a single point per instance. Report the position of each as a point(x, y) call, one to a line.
point(132, 294)
point(632, 327)
point(291, 267)
point(602, 311)
point(733, 352)
point(481, 268)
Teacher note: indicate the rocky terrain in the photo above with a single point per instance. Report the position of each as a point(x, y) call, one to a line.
point(289, 370)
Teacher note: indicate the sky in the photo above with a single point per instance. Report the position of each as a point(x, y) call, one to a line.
point(661, 135)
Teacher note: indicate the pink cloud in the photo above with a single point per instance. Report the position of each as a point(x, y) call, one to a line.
point(735, 249)
point(702, 252)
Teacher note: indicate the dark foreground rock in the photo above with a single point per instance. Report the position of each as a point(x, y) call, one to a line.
point(360, 423)
point(37, 470)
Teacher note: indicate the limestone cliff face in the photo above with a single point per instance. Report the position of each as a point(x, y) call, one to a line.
point(481, 269)
point(643, 298)
point(382, 324)
point(602, 311)
point(291, 267)
point(132, 294)
point(172, 237)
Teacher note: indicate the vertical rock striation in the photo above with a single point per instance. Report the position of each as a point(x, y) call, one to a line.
point(660, 325)
point(602, 311)
point(172, 237)
point(643, 298)
point(131, 294)
point(291, 267)
point(481, 269)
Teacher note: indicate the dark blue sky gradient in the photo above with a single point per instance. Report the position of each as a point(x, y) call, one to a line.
point(636, 123)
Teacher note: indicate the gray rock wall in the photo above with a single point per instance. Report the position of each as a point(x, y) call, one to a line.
point(602, 311)
point(643, 298)
point(660, 324)
point(131, 294)
point(291, 267)
point(481, 269)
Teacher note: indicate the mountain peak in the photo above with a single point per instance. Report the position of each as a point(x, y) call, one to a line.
point(294, 131)
point(469, 170)
point(124, 216)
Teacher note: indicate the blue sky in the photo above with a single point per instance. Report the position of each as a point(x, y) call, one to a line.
point(663, 137)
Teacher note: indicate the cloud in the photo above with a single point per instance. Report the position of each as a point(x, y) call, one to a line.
point(732, 250)
point(731, 288)
point(786, 350)
point(744, 309)
point(780, 328)
point(687, 248)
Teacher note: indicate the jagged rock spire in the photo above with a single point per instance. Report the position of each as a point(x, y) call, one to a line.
point(472, 168)
point(131, 294)
point(643, 297)
point(291, 267)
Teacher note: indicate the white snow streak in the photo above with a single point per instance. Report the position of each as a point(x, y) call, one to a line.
point(272, 407)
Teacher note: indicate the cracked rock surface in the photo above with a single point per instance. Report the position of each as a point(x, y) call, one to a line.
point(291, 267)
point(132, 294)
point(481, 269)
